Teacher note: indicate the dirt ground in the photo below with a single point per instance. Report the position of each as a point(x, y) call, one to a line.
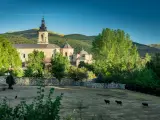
point(93, 102)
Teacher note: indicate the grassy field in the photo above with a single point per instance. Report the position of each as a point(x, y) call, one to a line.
point(92, 101)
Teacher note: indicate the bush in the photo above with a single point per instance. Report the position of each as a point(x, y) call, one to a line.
point(154, 64)
point(40, 109)
point(18, 72)
point(2, 71)
point(145, 81)
point(77, 74)
point(28, 72)
point(147, 78)
point(90, 75)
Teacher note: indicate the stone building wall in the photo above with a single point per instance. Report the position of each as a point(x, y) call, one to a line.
point(47, 52)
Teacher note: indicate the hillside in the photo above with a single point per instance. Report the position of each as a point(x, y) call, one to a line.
point(75, 40)
point(155, 45)
point(30, 36)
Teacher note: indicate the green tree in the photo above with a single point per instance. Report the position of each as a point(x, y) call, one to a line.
point(89, 67)
point(78, 74)
point(114, 51)
point(35, 63)
point(154, 64)
point(9, 56)
point(60, 66)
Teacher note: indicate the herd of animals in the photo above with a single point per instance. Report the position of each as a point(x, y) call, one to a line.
point(120, 102)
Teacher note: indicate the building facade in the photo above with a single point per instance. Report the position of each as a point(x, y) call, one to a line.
point(51, 49)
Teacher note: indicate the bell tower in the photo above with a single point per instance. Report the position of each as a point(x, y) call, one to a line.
point(42, 33)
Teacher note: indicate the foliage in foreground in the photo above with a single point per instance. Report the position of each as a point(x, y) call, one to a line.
point(40, 109)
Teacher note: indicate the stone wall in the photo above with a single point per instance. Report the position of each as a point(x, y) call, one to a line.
point(100, 85)
point(47, 81)
point(65, 81)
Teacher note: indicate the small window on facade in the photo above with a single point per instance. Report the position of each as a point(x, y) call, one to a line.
point(24, 55)
point(65, 53)
point(83, 55)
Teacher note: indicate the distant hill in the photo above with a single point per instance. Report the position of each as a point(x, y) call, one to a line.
point(143, 49)
point(155, 45)
point(80, 37)
point(31, 36)
point(77, 41)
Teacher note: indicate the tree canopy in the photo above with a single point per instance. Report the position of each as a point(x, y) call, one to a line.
point(154, 64)
point(60, 66)
point(114, 51)
point(9, 56)
point(35, 64)
point(78, 74)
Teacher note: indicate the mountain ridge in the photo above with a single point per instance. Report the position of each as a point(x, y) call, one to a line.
point(77, 41)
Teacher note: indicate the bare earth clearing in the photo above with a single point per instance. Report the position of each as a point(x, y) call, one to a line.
point(93, 102)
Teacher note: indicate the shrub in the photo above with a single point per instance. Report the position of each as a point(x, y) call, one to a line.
point(2, 71)
point(144, 77)
point(91, 75)
point(28, 72)
point(77, 74)
point(40, 109)
point(18, 72)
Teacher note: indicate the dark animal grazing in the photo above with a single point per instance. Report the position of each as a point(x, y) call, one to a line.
point(107, 101)
point(118, 102)
point(145, 104)
point(16, 97)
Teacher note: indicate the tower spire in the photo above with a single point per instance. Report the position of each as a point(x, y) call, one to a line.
point(43, 33)
point(43, 26)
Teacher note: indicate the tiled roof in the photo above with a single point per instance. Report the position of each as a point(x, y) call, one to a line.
point(66, 45)
point(35, 46)
point(82, 52)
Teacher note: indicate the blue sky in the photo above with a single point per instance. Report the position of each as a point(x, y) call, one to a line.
point(139, 18)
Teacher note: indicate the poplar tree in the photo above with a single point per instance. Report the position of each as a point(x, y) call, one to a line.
point(115, 49)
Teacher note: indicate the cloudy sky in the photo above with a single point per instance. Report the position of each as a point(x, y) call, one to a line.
point(139, 18)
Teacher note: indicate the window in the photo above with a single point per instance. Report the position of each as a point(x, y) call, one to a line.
point(83, 55)
point(23, 64)
point(42, 37)
point(65, 53)
point(24, 56)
